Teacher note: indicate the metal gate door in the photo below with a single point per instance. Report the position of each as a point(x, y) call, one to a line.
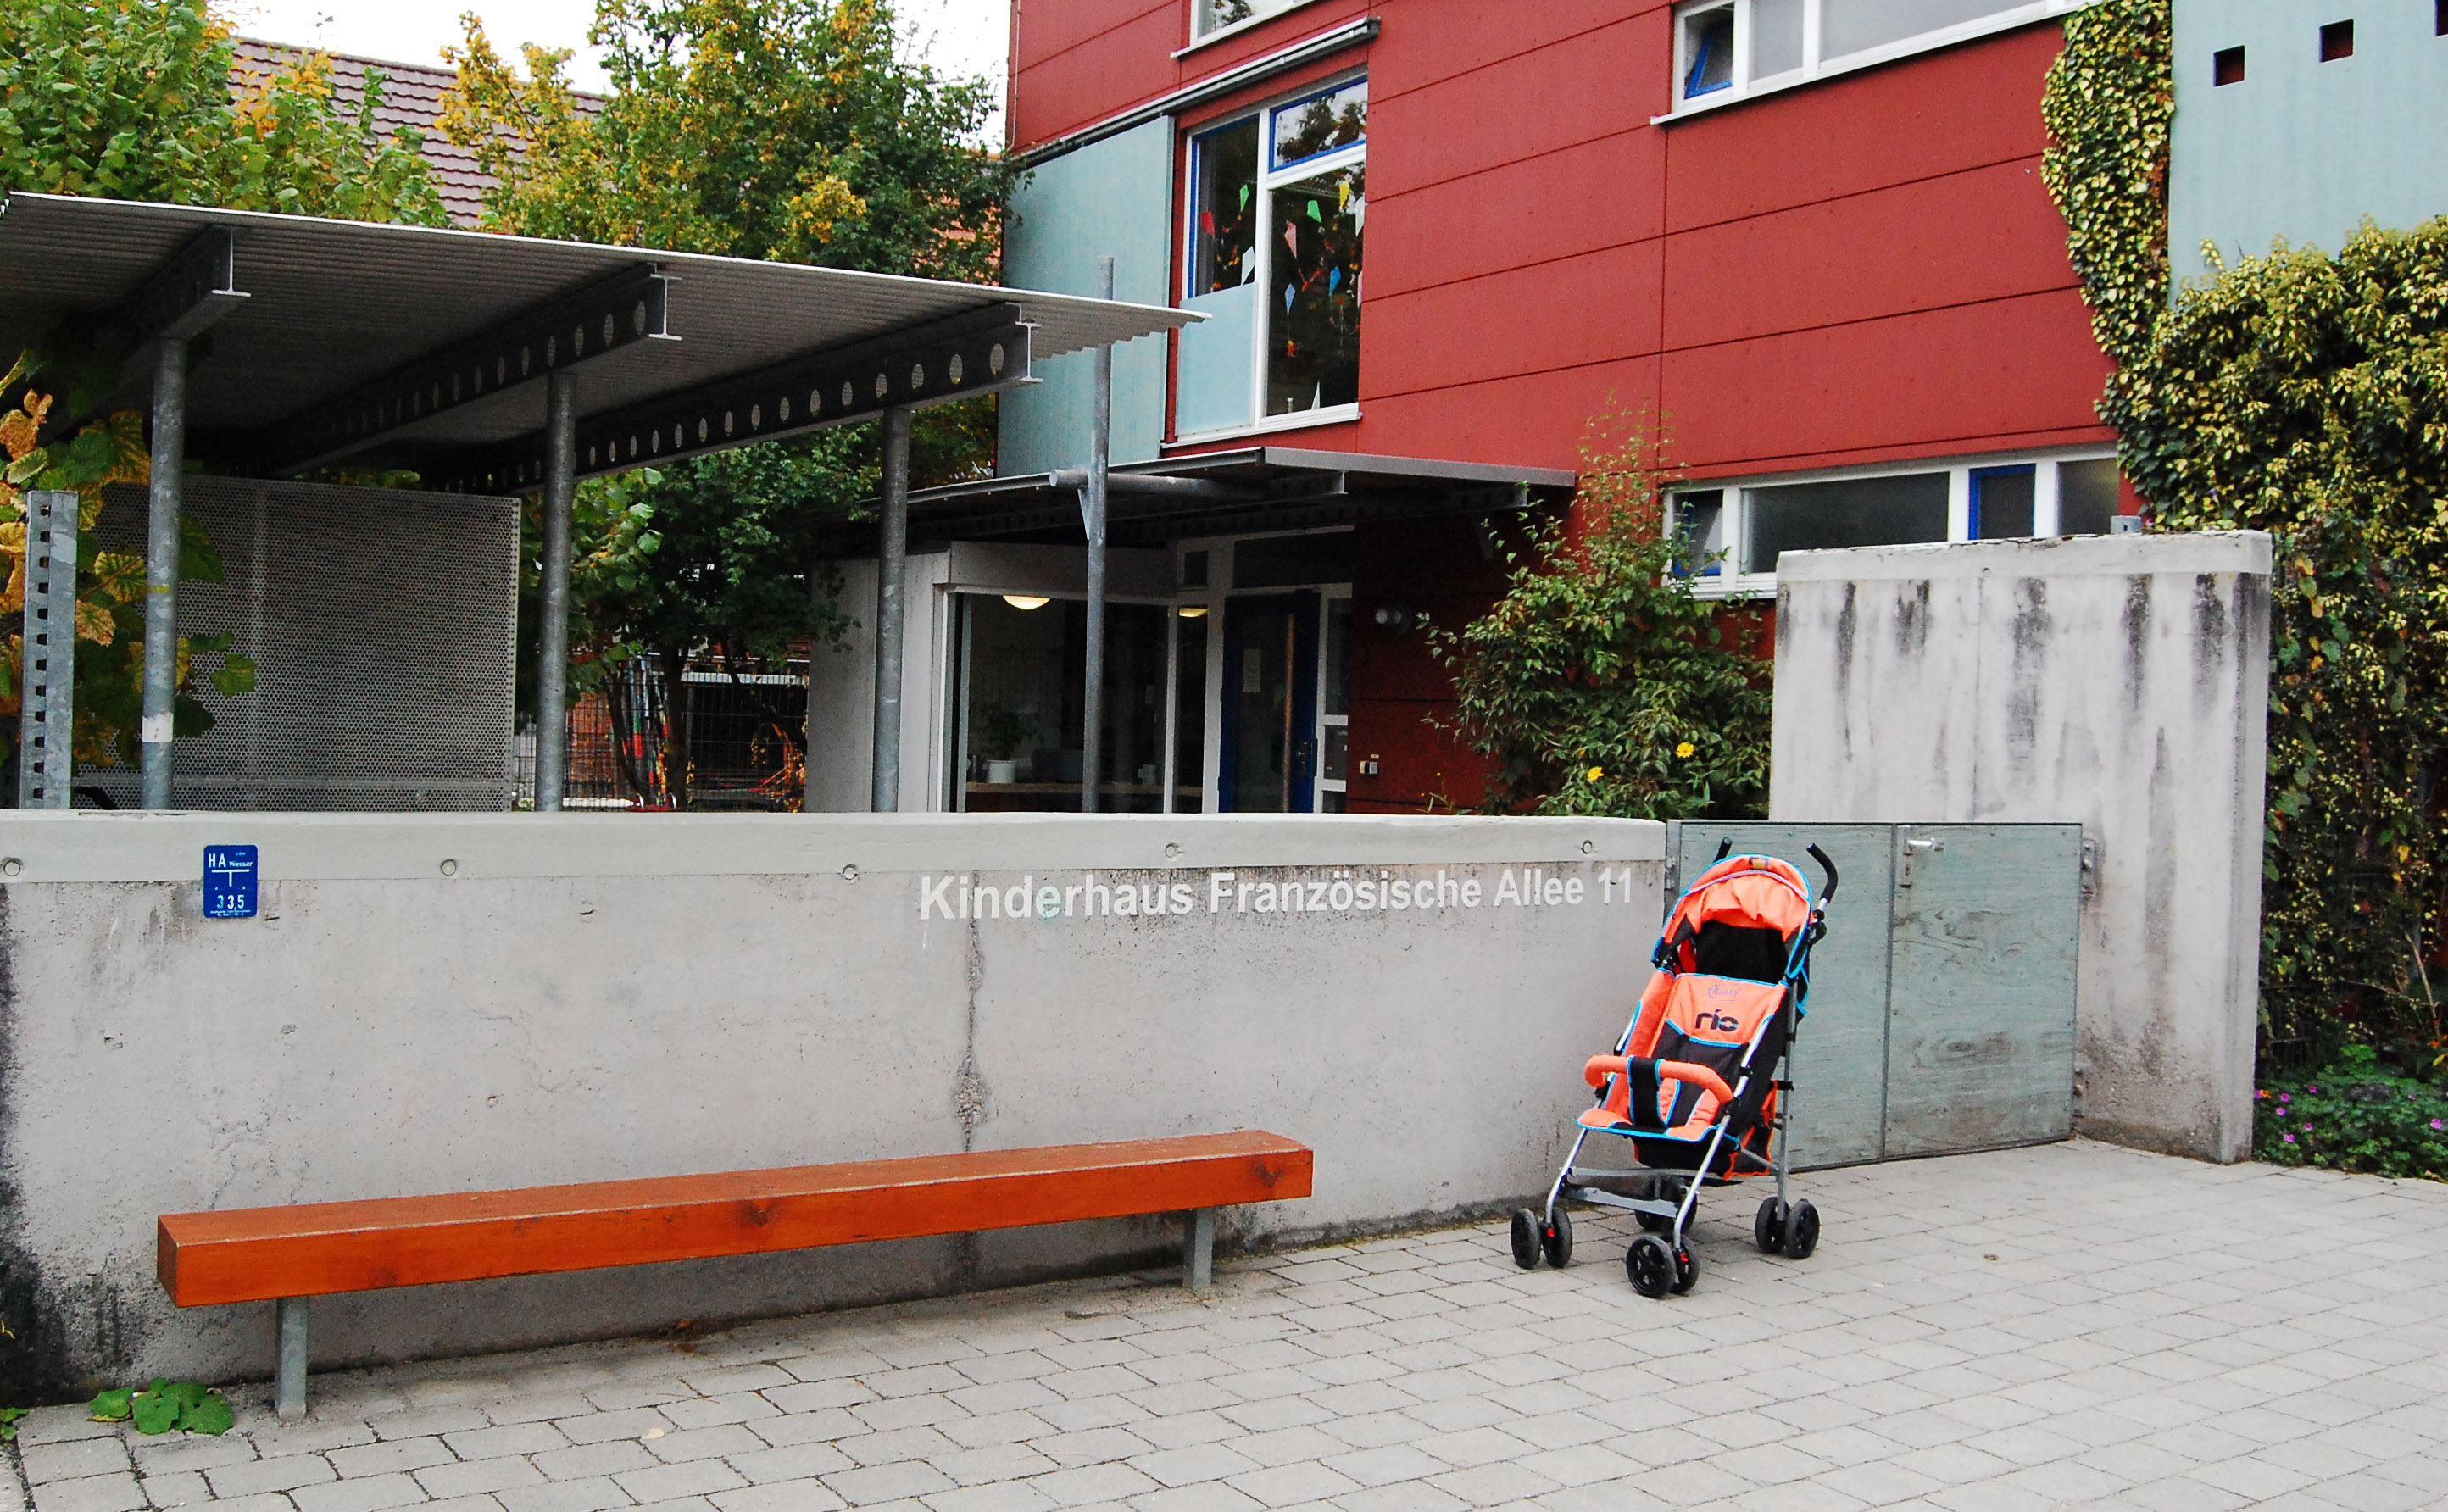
point(1942, 1000)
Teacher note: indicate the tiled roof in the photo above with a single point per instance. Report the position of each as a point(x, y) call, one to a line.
point(411, 96)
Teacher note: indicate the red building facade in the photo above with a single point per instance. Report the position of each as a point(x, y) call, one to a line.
point(1809, 236)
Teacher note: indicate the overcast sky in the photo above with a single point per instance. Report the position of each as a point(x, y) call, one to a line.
point(961, 37)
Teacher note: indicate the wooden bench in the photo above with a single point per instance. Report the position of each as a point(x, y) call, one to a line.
point(289, 1254)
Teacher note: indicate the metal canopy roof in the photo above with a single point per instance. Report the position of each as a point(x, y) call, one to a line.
point(342, 324)
point(1252, 488)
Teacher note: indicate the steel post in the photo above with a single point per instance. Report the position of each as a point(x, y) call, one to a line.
point(161, 569)
point(1092, 521)
point(891, 567)
point(289, 1367)
point(553, 641)
point(1199, 1249)
point(46, 680)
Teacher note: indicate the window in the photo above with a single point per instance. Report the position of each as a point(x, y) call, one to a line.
point(1214, 15)
point(1732, 535)
point(1280, 202)
point(1723, 50)
point(1020, 682)
point(2227, 64)
point(2337, 41)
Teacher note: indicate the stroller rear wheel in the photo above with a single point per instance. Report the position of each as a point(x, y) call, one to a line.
point(1526, 1243)
point(1801, 1231)
point(1557, 1240)
point(1767, 1229)
point(1651, 1265)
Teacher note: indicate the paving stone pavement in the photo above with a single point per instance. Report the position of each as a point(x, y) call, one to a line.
point(2071, 1326)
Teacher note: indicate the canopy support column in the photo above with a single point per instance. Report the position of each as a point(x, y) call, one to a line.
point(1092, 521)
point(891, 567)
point(552, 649)
point(161, 569)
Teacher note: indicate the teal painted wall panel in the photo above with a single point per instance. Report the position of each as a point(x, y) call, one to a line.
point(2300, 148)
point(1218, 363)
point(1838, 1110)
point(1113, 199)
point(1981, 986)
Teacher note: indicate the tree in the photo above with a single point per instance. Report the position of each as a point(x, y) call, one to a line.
point(133, 100)
point(782, 129)
point(1600, 683)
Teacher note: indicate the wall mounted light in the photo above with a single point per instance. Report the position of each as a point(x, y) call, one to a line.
point(1399, 621)
point(1193, 611)
point(1026, 600)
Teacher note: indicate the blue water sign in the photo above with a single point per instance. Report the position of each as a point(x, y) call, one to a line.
point(229, 882)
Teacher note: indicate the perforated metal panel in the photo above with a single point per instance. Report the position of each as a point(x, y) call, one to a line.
point(382, 624)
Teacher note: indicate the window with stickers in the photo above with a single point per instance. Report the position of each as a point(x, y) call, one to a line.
point(1279, 206)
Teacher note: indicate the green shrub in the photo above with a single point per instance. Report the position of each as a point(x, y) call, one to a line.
point(1600, 683)
point(2354, 1116)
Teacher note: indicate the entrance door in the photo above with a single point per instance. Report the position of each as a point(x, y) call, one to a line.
point(1269, 725)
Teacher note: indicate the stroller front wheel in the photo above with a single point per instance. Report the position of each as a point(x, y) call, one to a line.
point(1767, 1229)
point(1525, 1239)
point(1557, 1240)
point(1651, 1265)
point(1801, 1231)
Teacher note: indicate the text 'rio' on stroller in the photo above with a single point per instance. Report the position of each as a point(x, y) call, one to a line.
point(1696, 1082)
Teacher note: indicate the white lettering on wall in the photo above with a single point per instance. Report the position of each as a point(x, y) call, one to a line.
point(1340, 890)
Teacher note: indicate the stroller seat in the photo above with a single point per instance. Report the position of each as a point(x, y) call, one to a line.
point(1682, 1061)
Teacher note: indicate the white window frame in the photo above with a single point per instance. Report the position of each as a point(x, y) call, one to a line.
point(1268, 178)
point(1729, 581)
point(1199, 39)
point(1815, 68)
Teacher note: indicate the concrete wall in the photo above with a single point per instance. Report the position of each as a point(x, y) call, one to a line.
point(594, 997)
point(2116, 682)
point(2300, 148)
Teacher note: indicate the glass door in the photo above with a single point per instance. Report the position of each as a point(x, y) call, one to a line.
point(1269, 704)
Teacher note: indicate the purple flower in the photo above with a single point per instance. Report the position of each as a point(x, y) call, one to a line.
point(2284, 1097)
point(2437, 1125)
point(2291, 1138)
point(2313, 1091)
point(2307, 1128)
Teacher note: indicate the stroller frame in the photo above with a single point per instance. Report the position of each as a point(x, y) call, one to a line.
point(1781, 1227)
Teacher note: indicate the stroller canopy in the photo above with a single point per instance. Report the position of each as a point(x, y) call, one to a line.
point(1739, 920)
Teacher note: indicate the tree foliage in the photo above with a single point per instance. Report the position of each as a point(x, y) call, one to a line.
point(1600, 683)
point(786, 129)
point(2108, 108)
point(781, 129)
point(109, 694)
point(132, 100)
point(2307, 397)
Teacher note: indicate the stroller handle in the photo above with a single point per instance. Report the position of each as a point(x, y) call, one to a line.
point(1828, 867)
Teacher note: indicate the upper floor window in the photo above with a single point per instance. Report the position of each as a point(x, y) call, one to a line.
point(1279, 203)
point(1214, 15)
point(1725, 49)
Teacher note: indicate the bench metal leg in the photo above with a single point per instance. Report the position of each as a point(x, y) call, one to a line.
point(1199, 1249)
point(289, 1374)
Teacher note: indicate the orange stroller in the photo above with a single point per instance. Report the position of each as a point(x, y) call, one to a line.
point(1693, 1082)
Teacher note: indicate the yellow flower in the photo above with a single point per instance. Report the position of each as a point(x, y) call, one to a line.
point(1684, 751)
point(1596, 772)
